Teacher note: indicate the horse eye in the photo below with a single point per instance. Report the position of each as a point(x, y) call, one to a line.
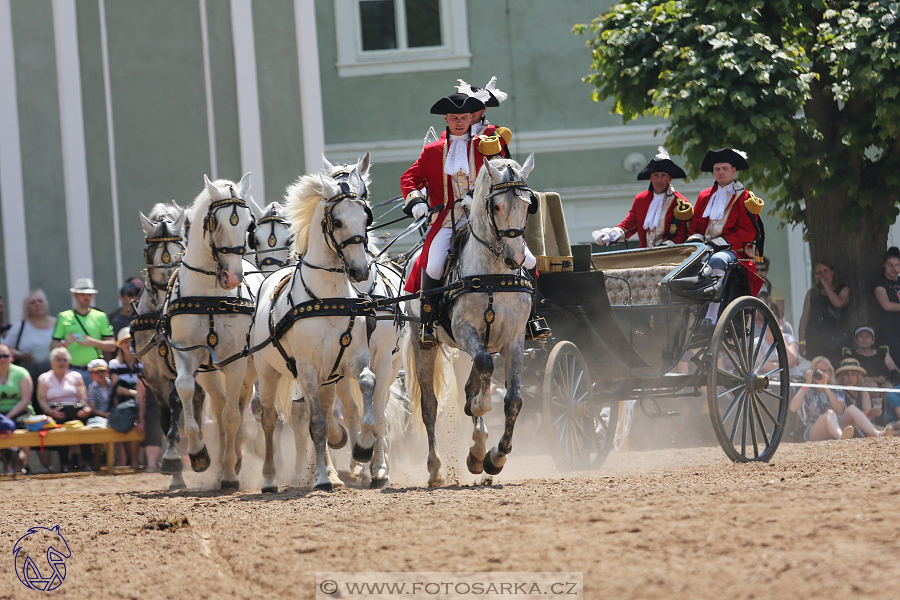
point(338, 223)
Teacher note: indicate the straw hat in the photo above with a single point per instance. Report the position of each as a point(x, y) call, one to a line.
point(124, 336)
point(850, 364)
point(83, 285)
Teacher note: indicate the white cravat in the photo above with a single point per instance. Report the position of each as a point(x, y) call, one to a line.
point(652, 218)
point(717, 203)
point(477, 127)
point(457, 155)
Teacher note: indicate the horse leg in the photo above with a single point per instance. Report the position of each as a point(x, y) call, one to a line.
point(351, 418)
point(383, 362)
point(185, 384)
point(247, 391)
point(363, 449)
point(478, 387)
point(234, 376)
point(337, 433)
point(268, 385)
point(318, 426)
point(425, 359)
point(299, 425)
point(512, 403)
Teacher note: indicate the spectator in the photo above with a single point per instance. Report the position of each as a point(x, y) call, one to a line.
point(850, 374)
point(892, 409)
point(85, 331)
point(124, 371)
point(886, 293)
point(880, 367)
point(824, 412)
point(122, 316)
point(15, 393)
point(61, 394)
point(100, 388)
point(30, 338)
point(823, 330)
point(4, 326)
point(772, 291)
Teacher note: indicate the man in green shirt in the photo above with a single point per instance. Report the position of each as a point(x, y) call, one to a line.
point(84, 331)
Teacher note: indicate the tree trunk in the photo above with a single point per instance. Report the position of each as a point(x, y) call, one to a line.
point(856, 254)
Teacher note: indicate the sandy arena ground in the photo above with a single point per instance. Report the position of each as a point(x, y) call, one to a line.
point(821, 521)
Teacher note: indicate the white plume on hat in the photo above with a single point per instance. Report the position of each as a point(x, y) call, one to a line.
point(483, 94)
point(661, 154)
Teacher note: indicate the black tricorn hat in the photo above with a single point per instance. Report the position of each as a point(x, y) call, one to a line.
point(456, 104)
point(733, 157)
point(661, 163)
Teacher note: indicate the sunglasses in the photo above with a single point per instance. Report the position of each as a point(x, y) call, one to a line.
point(5, 355)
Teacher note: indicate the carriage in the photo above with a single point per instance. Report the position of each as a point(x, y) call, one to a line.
point(626, 326)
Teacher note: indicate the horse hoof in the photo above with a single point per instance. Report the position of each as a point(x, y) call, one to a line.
point(228, 485)
point(361, 454)
point(378, 484)
point(270, 489)
point(177, 486)
point(475, 466)
point(489, 467)
point(324, 487)
point(200, 461)
point(468, 408)
point(171, 466)
point(343, 442)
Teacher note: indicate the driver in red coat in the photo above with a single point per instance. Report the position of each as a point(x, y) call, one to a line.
point(726, 217)
point(448, 168)
point(660, 215)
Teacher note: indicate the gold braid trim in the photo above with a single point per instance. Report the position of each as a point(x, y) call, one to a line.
point(754, 204)
point(683, 210)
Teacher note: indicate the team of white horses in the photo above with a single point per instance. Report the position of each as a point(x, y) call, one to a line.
point(316, 327)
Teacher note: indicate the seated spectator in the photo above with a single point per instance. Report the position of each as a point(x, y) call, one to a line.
point(772, 291)
point(124, 371)
point(824, 411)
point(892, 410)
point(85, 331)
point(30, 338)
point(100, 388)
point(61, 394)
point(887, 288)
point(823, 327)
point(851, 374)
point(15, 393)
point(880, 368)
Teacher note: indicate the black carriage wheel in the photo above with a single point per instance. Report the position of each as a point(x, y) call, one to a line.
point(748, 381)
point(580, 430)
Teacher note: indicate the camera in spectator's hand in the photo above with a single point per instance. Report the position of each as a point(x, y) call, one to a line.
point(818, 375)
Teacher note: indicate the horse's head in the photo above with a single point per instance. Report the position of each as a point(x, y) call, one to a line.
point(500, 207)
point(226, 223)
point(346, 217)
point(272, 238)
point(163, 244)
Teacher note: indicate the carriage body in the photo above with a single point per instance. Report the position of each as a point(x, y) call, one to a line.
point(628, 329)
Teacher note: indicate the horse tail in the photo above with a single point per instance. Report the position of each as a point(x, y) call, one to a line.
point(284, 398)
point(444, 378)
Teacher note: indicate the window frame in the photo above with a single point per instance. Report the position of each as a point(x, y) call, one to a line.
point(353, 61)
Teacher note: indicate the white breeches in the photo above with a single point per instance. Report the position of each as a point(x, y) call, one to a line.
point(440, 248)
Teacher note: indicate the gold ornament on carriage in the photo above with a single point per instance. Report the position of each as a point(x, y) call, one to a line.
point(272, 241)
point(212, 339)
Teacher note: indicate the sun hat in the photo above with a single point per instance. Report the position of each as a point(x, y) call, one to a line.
point(850, 364)
point(98, 364)
point(96, 423)
point(864, 328)
point(83, 285)
point(124, 334)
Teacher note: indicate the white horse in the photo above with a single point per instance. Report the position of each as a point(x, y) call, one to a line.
point(163, 247)
point(271, 239)
point(209, 310)
point(487, 315)
point(315, 320)
point(384, 282)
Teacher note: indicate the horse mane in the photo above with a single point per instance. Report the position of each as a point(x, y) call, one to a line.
point(300, 201)
point(162, 212)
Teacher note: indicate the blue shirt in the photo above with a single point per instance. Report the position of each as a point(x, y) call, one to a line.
point(891, 404)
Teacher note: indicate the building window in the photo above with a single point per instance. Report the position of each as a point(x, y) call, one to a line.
point(400, 36)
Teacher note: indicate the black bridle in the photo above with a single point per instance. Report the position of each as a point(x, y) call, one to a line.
point(210, 224)
point(274, 219)
point(169, 259)
point(499, 234)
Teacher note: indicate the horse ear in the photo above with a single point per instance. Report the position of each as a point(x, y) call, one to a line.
point(329, 190)
point(528, 166)
point(362, 165)
point(179, 220)
point(327, 164)
point(244, 185)
point(147, 224)
point(254, 208)
point(210, 188)
point(354, 180)
point(494, 173)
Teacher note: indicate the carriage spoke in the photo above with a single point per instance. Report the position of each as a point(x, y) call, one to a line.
point(731, 407)
point(766, 408)
point(737, 416)
point(732, 390)
point(746, 414)
point(762, 426)
point(730, 356)
point(740, 349)
point(765, 359)
point(750, 415)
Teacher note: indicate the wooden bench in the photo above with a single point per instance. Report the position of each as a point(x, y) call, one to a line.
point(21, 438)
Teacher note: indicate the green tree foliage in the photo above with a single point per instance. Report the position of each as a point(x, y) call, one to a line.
point(808, 88)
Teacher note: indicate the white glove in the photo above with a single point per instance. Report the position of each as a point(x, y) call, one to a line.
point(606, 236)
point(719, 242)
point(419, 210)
point(467, 202)
point(697, 237)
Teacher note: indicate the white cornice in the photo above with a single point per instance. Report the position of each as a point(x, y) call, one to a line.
point(616, 193)
point(559, 140)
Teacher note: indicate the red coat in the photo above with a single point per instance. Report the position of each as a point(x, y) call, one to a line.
point(738, 230)
point(634, 220)
point(428, 171)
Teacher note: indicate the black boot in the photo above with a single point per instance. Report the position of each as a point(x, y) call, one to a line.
point(537, 328)
point(429, 301)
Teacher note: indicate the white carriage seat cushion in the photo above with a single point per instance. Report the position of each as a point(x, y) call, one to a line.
point(644, 283)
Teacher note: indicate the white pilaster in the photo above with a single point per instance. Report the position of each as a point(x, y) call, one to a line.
point(207, 81)
point(247, 96)
point(111, 145)
point(311, 114)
